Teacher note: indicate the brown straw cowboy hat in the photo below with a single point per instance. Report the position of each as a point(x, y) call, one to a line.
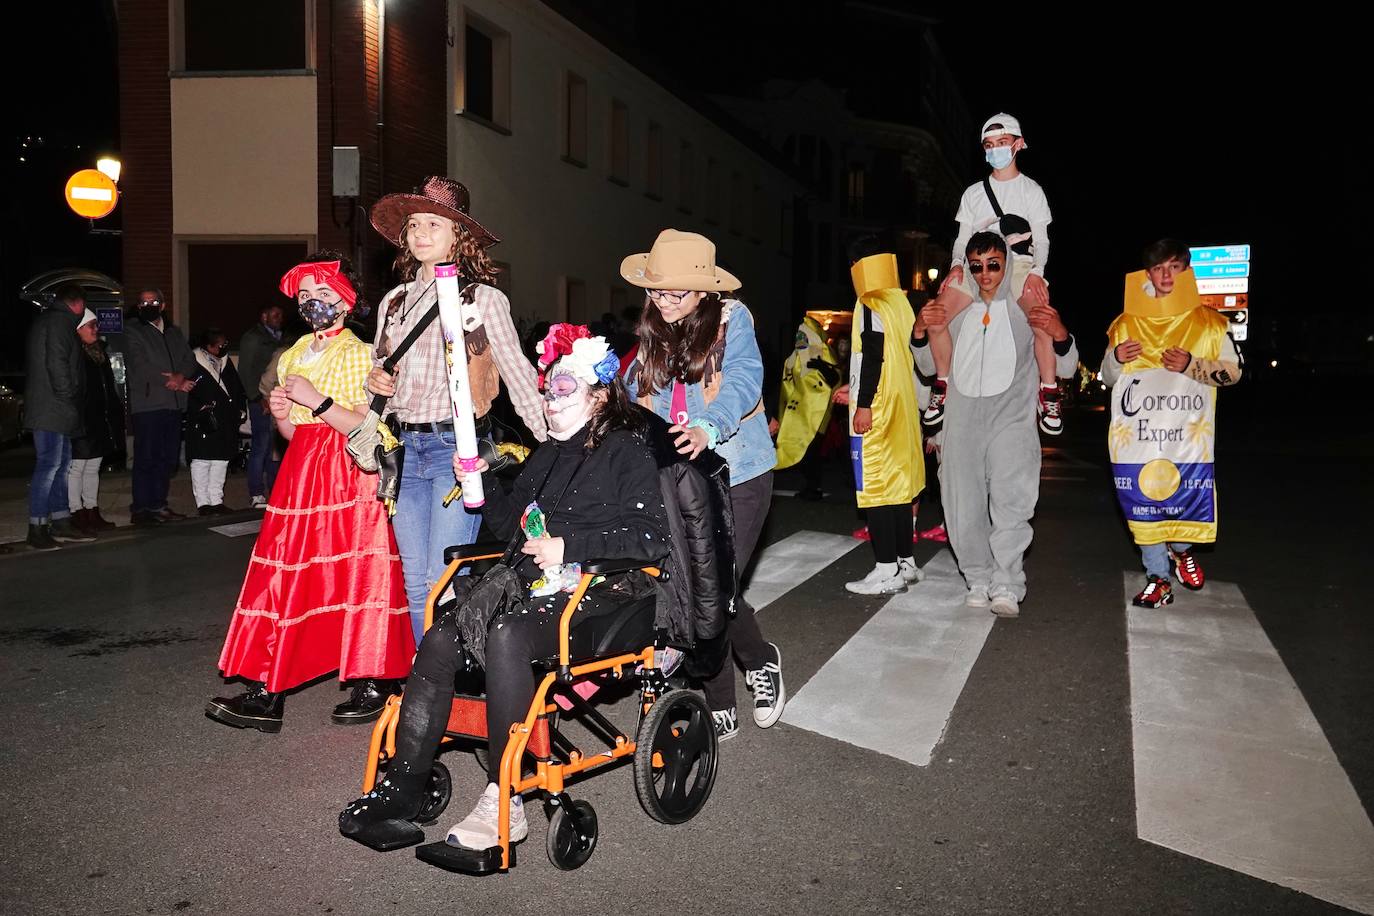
point(679, 260)
point(440, 195)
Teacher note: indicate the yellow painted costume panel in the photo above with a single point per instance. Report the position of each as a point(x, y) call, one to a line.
point(805, 408)
point(889, 466)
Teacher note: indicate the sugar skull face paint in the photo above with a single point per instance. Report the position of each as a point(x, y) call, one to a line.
point(568, 403)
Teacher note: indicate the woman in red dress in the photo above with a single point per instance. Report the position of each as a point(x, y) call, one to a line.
point(324, 588)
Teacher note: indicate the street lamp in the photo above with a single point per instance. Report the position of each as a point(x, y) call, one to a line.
point(933, 273)
point(109, 167)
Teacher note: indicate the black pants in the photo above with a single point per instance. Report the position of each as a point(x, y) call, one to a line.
point(889, 529)
point(749, 501)
point(514, 641)
point(157, 443)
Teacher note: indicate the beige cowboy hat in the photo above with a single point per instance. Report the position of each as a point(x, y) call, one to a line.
point(679, 260)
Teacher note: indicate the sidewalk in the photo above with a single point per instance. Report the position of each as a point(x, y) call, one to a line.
point(115, 493)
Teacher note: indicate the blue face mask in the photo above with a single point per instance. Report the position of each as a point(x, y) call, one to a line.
point(999, 157)
point(320, 315)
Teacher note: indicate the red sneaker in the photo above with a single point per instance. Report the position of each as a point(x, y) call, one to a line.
point(1051, 411)
point(934, 415)
point(861, 534)
point(1156, 593)
point(1187, 569)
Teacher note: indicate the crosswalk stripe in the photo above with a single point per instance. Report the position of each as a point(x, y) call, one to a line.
point(1230, 764)
point(238, 529)
point(892, 686)
point(785, 564)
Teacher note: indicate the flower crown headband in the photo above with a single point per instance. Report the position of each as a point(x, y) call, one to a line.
point(589, 358)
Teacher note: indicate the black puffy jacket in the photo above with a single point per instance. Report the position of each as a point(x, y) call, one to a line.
point(698, 598)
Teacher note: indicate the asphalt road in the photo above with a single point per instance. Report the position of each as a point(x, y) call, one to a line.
point(125, 799)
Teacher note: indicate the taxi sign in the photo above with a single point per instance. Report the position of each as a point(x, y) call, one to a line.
point(91, 193)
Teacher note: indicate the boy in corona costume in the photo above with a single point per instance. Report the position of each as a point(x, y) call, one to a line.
point(809, 378)
point(884, 424)
point(1168, 355)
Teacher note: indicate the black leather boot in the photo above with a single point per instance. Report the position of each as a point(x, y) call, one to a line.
point(41, 539)
point(365, 703)
point(254, 708)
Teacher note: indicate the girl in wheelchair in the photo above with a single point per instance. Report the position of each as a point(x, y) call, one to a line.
point(596, 485)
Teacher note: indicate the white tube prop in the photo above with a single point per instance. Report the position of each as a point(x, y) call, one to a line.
point(460, 392)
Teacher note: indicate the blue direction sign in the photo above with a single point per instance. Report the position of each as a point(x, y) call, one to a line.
point(110, 320)
point(1220, 254)
point(1207, 271)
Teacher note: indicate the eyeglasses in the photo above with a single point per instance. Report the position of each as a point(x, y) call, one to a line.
point(672, 298)
point(991, 267)
point(151, 302)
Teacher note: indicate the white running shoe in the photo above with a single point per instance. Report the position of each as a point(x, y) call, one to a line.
point(909, 571)
point(977, 596)
point(259, 502)
point(878, 582)
point(479, 829)
point(1002, 603)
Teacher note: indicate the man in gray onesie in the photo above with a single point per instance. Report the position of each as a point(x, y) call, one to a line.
point(990, 471)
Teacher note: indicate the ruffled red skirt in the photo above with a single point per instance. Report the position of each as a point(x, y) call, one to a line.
point(324, 588)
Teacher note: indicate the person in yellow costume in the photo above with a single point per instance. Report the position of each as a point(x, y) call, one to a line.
point(809, 377)
point(1168, 355)
point(884, 422)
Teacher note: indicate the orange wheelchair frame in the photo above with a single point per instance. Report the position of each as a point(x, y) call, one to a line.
point(674, 749)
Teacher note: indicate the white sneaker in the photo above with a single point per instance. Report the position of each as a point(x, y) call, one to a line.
point(1001, 602)
point(259, 502)
point(878, 582)
point(977, 596)
point(909, 571)
point(479, 829)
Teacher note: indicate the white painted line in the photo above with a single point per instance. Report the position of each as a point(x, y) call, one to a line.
point(786, 492)
point(238, 529)
point(1230, 764)
point(783, 565)
point(892, 687)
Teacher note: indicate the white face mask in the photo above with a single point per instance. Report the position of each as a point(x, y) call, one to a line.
point(568, 404)
point(999, 157)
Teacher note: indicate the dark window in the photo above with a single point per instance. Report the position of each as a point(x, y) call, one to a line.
point(478, 82)
point(575, 301)
point(227, 285)
point(687, 178)
point(653, 162)
point(575, 117)
point(244, 35)
point(619, 164)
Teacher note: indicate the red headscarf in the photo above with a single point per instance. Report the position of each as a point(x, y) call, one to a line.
point(326, 272)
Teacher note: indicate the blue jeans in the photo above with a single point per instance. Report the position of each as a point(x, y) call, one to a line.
point(262, 470)
point(48, 486)
point(157, 446)
point(1156, 558)
point(423, 526)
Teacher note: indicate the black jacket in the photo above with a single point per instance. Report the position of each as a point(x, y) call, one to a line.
point(213, 415)
point(55, 389)
point(104, 412)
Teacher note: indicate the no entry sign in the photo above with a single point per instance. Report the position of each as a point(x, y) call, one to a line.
point(91, 194)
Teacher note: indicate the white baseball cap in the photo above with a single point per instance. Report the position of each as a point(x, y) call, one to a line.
point(86, 318)
point(1001, 124)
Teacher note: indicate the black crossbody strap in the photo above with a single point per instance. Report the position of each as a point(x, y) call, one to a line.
point(378, 402)
point(992, 198)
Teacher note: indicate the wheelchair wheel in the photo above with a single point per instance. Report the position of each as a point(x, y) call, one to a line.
point(438, 792)
point(676, 757)
point(572, 835)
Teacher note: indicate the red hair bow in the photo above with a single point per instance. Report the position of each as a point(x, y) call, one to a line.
point(326, 272)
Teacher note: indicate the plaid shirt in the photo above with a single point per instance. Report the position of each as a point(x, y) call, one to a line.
point(340, 372)
point(422, 375)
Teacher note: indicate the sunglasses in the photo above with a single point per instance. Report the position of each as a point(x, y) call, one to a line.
point(662, 295)
point(991, 267)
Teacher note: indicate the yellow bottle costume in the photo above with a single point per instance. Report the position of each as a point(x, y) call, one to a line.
point(888, 466)
point(805, 408)
point(1162, 435)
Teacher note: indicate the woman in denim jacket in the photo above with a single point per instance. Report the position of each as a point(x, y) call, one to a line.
point(698, 366)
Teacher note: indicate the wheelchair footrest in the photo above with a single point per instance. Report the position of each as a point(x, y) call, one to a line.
point(461, 859)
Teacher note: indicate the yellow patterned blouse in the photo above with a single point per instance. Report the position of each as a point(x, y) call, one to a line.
point(340, 372)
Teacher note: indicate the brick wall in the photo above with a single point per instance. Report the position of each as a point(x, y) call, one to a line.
point(145, 140)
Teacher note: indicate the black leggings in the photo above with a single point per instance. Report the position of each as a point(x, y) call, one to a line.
point(514, 641)
point(749, 502)
point(889, 529)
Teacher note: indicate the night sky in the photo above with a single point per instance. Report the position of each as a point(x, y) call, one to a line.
point(1206, 127)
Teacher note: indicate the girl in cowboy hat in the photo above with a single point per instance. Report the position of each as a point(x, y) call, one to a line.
point(698, 366)
point(431, 226)
point(323, 589)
